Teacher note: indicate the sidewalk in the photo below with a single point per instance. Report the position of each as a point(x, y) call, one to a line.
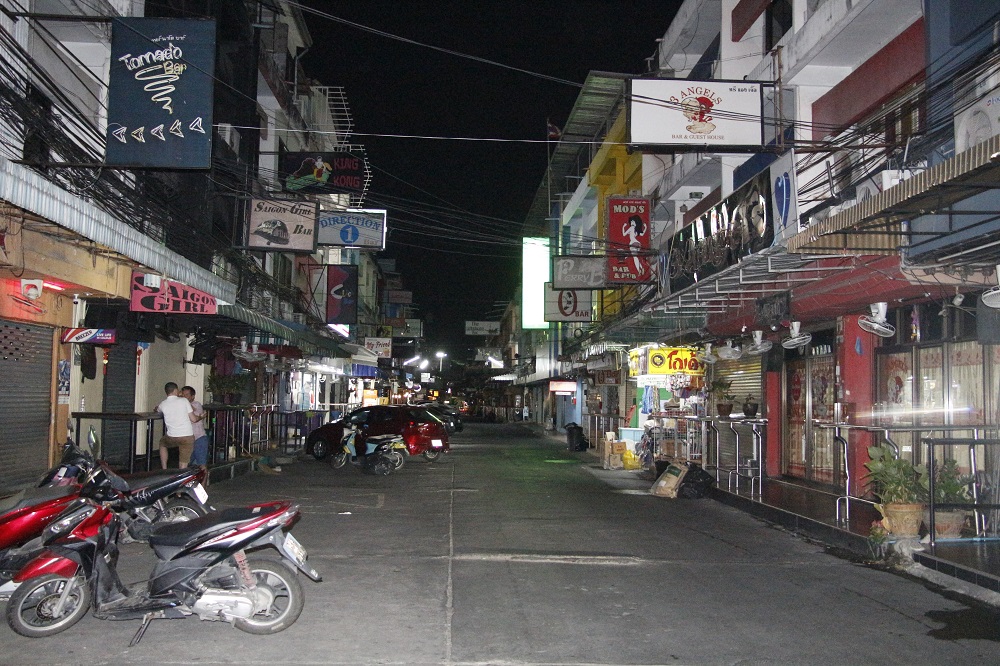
point(967, 566)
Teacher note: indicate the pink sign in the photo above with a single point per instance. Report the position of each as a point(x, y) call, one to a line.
point(628, 240)
point(169, 297)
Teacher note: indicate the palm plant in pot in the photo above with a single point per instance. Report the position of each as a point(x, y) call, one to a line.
point(750, 407)
point(719, 390)
point(900, 489)
point(950, 487)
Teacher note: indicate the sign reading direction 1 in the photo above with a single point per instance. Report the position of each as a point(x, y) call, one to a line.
point(354, 227)
point(160, 93)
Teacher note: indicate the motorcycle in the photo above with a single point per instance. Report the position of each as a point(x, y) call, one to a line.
point(383, 454)
point(202, 569)
point(146, 503)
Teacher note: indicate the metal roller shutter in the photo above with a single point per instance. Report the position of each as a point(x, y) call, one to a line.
point(119, 397)
point(25, 403)
point(745, 374)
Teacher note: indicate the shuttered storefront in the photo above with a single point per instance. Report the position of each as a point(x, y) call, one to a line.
point(119, 397)
point(25, 403)
point(745, 375)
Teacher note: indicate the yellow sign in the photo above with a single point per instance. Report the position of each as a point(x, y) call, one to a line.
point(673, 361)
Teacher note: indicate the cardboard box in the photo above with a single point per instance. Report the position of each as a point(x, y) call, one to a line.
point(618, 447)
point(614, 461)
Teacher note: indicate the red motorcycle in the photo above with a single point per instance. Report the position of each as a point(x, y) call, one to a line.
point(203, 568)
point(145, 503)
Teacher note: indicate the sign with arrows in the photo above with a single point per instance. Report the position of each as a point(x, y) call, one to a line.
point(160, 93)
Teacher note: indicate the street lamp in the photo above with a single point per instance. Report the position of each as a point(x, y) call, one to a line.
point(440, 356)
point(424, 363)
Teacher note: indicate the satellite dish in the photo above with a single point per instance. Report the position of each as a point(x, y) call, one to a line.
point(728, 352)
point(707, 356)
point(760, 345)
point(796, 339)
point(991, 297)
point(876, 323)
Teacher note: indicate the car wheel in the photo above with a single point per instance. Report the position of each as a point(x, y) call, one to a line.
point(432, 454)
point(320, 448)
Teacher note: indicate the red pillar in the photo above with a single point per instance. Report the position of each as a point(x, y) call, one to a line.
point(856, 359)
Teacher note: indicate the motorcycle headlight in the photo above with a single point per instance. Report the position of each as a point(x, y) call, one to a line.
point(65, 524)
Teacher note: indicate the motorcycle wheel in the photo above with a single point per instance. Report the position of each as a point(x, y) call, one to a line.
point(30, 610)
point(180, 510)
point(382, 466)
point(432, 454)
point(285, 607)
point(397, 459)
point(320, 448)
point(339, 460)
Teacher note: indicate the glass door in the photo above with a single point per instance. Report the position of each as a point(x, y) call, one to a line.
point(810, 451)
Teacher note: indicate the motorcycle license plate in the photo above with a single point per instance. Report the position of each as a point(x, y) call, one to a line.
point(200, 493)
point(295, 549)
point(437, 443)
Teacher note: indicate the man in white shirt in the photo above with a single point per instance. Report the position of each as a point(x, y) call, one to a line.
point(178, 426)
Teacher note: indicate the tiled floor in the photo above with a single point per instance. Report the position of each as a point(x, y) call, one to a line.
point(812, 511)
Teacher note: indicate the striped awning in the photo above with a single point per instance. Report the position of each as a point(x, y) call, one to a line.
point(277, 333)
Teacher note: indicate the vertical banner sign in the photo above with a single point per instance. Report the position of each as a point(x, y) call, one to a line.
point(628, 240)
point(784, 198)
point(282, 226)
point(341, 294)
point(160, 93)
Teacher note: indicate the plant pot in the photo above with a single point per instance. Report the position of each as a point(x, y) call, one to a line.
point(724, 408)
point(903, 520)
point(750, 409)
point(947, 524)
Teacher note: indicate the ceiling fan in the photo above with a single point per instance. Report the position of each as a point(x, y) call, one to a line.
point(760, 345)
point(796, 339)
point(728, 352)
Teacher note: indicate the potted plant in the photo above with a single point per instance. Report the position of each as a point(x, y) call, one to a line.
point(950, 487)
point(719, 390)
point(226, 389)
point(900, 490)
point(750, 407)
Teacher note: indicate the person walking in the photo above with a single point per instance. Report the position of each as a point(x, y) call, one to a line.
point(178, 426)
point(199, 457)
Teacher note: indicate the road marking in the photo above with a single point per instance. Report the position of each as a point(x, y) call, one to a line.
point(526, 558)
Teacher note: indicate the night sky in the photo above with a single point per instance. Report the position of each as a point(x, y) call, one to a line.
point(456, 207)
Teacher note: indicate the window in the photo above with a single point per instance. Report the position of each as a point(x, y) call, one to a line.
point(777, 21)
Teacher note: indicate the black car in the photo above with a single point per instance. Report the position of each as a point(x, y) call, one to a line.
point(450, 415)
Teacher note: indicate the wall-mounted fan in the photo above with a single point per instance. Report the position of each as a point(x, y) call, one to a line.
point(760, 345)
point(728, 352)
point(796, 339)
point(706, 356)
point(876, 323)
point(991, 297)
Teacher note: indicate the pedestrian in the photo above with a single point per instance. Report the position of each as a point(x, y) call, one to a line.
point(178, 425)
point(199, 457)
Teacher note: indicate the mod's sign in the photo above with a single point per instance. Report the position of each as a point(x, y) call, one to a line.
point(628, 241)
point(353, 228)
point(160, 93)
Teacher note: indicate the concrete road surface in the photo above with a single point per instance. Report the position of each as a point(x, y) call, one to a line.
point(512, 550)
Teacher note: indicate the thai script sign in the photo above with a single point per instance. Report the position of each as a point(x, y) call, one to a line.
point(579, 272)
point(160, 93)
point(282, 226)
point(94, 336)
point(354, 227)
point(162, 295)
point(699, 114)
point(628, 241)
point(673, 361)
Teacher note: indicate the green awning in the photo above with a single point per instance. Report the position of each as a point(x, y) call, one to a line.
point(308, 341)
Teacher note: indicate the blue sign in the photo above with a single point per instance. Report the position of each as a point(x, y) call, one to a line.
point(353, 227)
point(349, 234)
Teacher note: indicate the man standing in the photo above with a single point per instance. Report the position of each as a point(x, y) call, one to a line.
point(178, 426)
point(200, 455)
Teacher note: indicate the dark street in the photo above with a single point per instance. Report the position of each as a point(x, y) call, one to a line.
point(512, 550)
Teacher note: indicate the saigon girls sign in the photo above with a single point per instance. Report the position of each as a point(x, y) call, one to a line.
point(628, 241)
point(169, 297)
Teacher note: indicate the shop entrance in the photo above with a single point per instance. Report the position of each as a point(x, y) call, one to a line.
point(809, 451)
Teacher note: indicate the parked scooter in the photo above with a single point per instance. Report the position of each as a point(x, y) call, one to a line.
point(202, 569)
point(146, 503)
point(384, 453)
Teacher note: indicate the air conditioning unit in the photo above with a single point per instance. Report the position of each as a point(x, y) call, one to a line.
point(880, 182)
point(284, 311)
point(267, 304)
point(230, 135)
point(299, 318)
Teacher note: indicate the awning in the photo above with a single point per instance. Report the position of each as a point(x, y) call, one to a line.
point(875, 226)
point(308, 341)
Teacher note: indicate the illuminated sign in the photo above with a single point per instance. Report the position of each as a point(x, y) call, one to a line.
point(535, 265)
point(562, 387)
point(353, 227)
point(628, 240)
point(282, 226)
point(673, 361)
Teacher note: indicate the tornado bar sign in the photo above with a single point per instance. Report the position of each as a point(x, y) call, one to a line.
point(160, 93)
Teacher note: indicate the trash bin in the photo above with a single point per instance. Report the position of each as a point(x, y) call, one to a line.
point(574, 437)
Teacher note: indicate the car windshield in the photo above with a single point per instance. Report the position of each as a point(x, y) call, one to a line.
point(425, 416)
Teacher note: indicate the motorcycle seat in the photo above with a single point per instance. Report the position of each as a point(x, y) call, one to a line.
point(167, 538)
point(32, 496)
point(148, 481)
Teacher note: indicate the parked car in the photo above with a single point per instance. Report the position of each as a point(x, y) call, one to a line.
point(447, 413)
point(422, 431)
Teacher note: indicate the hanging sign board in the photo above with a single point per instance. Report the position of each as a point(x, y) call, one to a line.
point(353, 227)
point(482, 328)
point(324, 172)
point(673, 361)
point(282, 226)
point(579, 272)
point(160, 93)
point(93, 336)
point(381, 347)
point(628, 241)
point(556, 386)
point(152, 293)
point(567, 305)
